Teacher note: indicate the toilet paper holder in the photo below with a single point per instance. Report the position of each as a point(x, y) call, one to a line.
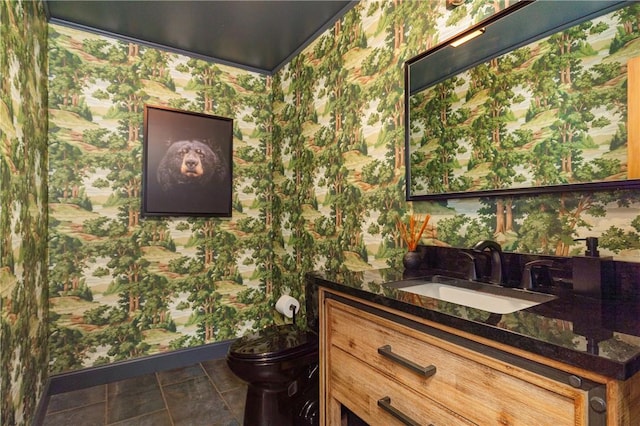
point(288, 306)
point(293, 315)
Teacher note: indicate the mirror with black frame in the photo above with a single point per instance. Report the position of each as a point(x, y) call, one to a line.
point(536, 99)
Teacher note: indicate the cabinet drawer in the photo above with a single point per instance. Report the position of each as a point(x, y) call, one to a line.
point(479, 392)
point(359, 387)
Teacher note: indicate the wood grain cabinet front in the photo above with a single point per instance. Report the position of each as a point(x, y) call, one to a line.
point(388, 373)
point(379, 399)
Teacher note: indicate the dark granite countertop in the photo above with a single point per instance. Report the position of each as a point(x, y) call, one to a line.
point(601, 336)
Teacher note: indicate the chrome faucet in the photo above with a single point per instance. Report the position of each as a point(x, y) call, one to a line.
point(495, 251)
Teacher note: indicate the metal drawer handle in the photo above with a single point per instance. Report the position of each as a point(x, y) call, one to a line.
point(427, 371)
point(385, 404)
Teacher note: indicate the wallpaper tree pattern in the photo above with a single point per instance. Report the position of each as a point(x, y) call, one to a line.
point(318, 184)
point(122, 286)
point(23, 209)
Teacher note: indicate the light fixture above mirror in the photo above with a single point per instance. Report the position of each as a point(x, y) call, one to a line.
point(467, 37)
point(525, 21)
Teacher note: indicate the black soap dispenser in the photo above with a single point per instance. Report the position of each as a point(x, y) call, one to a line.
point(592, 246)
point(593, 276)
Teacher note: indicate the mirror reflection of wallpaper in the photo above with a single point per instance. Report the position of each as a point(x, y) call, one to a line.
point(553, 112)
point(318, 184)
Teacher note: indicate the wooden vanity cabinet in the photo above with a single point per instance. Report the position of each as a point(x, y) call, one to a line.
point(390, 369)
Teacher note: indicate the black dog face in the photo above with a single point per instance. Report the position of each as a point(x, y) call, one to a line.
point(189, 163)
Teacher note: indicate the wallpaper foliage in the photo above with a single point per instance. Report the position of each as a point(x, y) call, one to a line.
point(318, 184)
point(121, 285)
point(23, 209)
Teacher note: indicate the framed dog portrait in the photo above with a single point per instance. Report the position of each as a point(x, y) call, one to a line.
point(187, 169)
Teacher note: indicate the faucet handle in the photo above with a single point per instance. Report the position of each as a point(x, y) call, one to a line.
point(472, 271)
point(528, 280)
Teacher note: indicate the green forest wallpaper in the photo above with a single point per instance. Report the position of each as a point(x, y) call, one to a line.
point(23, 210)
point(318, 183)
point(123, 286)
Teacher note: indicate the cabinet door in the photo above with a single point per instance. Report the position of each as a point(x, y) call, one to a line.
point(464, 383)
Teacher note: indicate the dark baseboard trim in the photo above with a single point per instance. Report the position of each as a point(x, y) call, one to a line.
point(94, 376)
point(41, 409)
point(100, 375)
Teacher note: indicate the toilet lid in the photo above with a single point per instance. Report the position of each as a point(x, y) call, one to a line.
point(275, 342)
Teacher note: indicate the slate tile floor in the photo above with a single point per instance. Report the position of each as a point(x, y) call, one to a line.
point(206, 394)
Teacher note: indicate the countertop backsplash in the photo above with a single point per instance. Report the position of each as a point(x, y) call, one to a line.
point(625, 276)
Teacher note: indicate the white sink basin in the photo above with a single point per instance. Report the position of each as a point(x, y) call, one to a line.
point(490, 298)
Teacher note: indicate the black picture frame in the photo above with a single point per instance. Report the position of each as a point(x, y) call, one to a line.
point(187, 163)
